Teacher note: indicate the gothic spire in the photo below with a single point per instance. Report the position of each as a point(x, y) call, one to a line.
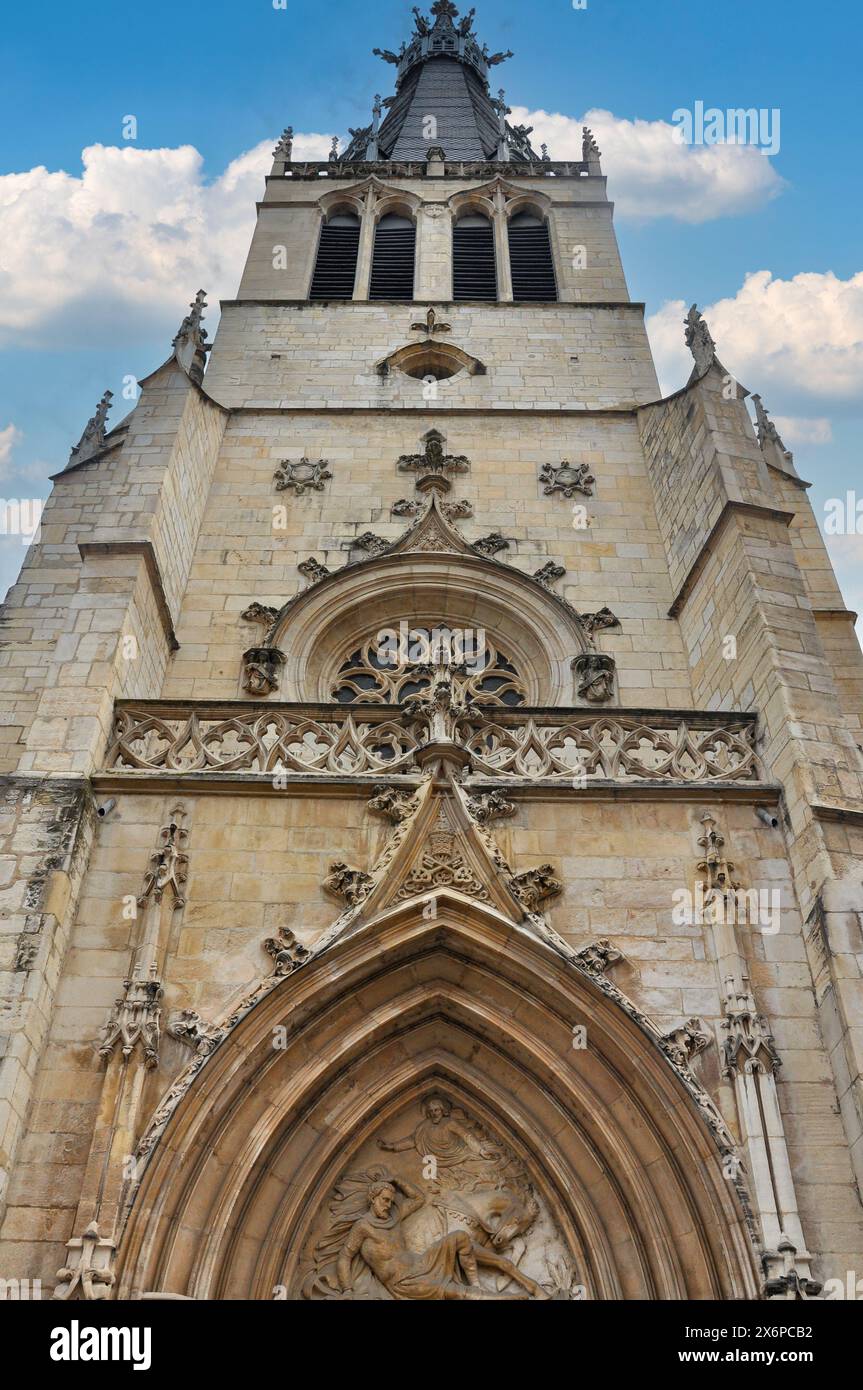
point(442, 97)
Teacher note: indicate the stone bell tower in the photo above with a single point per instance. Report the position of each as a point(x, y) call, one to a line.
point(432, 776)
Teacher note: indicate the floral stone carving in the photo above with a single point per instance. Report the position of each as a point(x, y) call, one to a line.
point(568, 479)
point(302, 475)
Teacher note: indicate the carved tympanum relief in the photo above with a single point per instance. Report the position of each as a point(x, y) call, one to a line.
point(435, 1207)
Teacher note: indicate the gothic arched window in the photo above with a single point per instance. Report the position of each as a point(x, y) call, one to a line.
point(530, 258)
point(393, 258)
point(393, 665)
point(336, 265)
point(474, 268)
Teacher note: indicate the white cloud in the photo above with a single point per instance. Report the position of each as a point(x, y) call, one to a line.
point(9, 437)
point(137, 230)
point(651, 174)
point(798, 340)
point(795, 430)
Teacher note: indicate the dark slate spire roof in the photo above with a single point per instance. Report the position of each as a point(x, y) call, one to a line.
point(443, 73)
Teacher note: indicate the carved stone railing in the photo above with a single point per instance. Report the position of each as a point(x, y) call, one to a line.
point(375, 740)
point(453, 169)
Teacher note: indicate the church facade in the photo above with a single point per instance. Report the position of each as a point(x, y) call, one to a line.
point(432, 779)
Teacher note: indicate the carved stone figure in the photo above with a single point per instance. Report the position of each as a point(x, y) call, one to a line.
point(568, 479)
point(594, 675)
point(699, 341)
point(259, 613)
point(453, 1216)
point(261, 666)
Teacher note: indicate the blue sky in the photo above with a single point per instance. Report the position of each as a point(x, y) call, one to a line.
point(93, 293)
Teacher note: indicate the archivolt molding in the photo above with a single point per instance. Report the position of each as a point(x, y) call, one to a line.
point(483, 1006)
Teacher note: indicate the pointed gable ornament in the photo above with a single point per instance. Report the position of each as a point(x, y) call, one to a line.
point(92, 440)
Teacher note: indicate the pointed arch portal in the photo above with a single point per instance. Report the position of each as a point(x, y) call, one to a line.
point(616, 1181)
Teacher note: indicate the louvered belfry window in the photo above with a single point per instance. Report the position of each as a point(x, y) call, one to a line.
point(474, 269)
point(530, 258)
point(393, 259)
point(336, 266)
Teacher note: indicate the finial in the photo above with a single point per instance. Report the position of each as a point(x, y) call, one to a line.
point(376, 109)
point(766, 430)
point(284, 148)
point(590, 151)
point(699, 341)
point(334, 152)
point(93, 438)
point(545, 155)
point(190, 341)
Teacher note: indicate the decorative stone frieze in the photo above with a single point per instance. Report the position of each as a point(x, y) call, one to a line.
point(302, 475)
point(612, 747)
point(567, 479)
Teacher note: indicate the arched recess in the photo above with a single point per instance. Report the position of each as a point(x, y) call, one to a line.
point(473, 1007)
point(540, 633)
